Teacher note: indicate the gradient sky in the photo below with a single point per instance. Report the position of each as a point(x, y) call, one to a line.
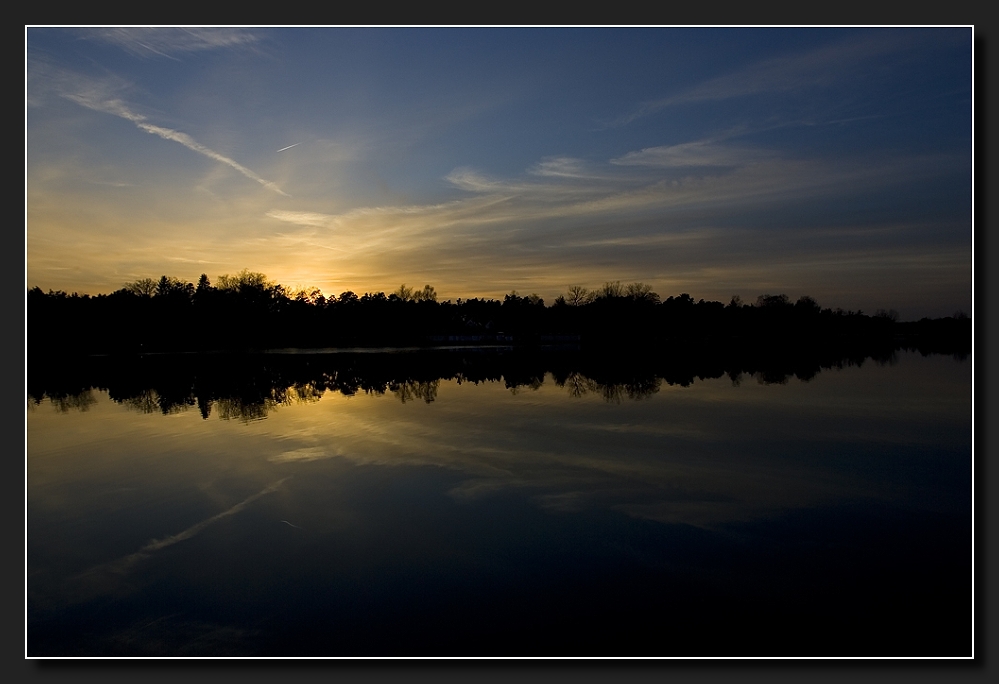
point(829, 162)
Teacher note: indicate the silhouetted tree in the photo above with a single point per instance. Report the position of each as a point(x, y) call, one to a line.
point(427, 294)
point(772, 301)
point(610, 290)
point(578, 296)
point(144, 287)
point(641, 292)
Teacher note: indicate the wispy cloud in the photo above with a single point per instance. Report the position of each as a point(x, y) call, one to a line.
point(562, 181)
point(93, 97)
point(714, 179)
point(303, 218)
point(170, 42)
point(817, 68)
point(560, 167)
point(468, 179)
point(699, 153)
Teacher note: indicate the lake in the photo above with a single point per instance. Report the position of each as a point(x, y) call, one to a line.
point(485, 504)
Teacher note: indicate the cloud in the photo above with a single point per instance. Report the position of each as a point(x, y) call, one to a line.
point(169, 42)
point(303, 218)
point(654, 240)
point(393, 218)
point(560, 167)
point(94, 97)
point(722, 175)
point(563, 180)
point(470, 180)
point(819, 68)
point(699, 153)
point(640, 203)
point(185, 260)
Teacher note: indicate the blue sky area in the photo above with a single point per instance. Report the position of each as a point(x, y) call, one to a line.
point(828, 162)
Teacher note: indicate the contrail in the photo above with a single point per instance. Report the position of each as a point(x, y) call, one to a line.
point(125, 563)
point(118, 108)
point(107, 578)
point(289, 147)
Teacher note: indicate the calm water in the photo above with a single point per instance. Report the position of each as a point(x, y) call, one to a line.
point(557, 516)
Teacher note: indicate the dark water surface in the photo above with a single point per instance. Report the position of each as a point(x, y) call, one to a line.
point(559, 514)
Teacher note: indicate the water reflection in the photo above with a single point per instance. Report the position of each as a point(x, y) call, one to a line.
point(498, 504)
point(247, 387)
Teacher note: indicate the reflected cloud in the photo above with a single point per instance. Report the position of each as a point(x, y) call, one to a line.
point(107, 577)
point(158, 544)
point(305, 454)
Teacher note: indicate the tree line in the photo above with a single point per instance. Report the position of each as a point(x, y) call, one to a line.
point(248, 311)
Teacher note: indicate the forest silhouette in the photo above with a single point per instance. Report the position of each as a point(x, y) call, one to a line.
point(247, 311)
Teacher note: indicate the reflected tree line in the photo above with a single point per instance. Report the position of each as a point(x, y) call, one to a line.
point(246, 311)
point(248, 386)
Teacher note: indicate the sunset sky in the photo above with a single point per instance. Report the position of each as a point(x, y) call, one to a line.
point(834, 163)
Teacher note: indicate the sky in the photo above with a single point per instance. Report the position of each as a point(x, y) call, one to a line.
point(829, 162)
